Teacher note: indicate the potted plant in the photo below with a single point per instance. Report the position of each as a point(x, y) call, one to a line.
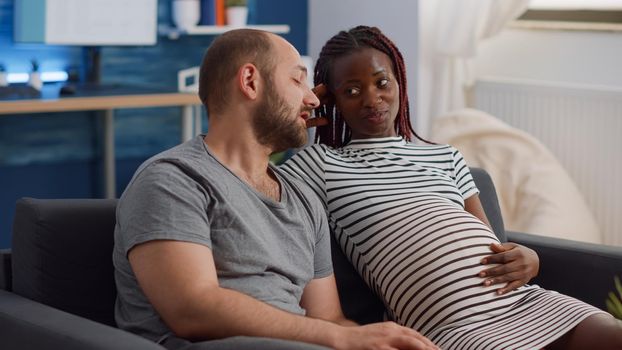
point(614, 302)
point(34, 78)
point(236, 12)
point(4, 76)
point(186, 13)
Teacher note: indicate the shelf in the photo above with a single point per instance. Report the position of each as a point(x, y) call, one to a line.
point(108, 98)
point(174, 33)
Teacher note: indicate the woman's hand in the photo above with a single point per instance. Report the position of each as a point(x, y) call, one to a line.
point(322, 94)
point(517, 266)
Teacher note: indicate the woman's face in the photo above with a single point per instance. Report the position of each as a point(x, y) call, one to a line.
point(366, 93)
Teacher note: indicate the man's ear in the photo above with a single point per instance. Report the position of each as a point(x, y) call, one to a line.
point(248, 80)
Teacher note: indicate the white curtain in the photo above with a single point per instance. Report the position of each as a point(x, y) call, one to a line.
point(450, 31)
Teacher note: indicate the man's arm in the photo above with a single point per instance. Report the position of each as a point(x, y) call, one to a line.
point(321, 300)
point(179, 279)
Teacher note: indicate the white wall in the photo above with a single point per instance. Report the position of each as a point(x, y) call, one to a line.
point(560, 58)
point(592, 58)
point(396, 18)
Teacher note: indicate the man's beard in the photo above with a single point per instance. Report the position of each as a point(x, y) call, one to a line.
point(276, 125)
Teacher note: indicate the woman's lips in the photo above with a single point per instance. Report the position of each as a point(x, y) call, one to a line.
point(375, 117)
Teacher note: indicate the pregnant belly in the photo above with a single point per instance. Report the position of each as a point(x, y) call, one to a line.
point(424, 263)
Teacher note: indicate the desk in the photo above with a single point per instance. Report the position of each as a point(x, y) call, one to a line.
point(108, 98)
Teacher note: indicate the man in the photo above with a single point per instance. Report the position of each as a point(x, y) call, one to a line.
point(213, 244)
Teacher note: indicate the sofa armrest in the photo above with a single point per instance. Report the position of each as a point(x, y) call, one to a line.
point(582, 270)
point(5, 269)
point(27, 324)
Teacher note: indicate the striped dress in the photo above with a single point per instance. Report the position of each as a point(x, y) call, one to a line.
point(397, 210)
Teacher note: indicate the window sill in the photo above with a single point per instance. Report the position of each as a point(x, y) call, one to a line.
point(561, 25)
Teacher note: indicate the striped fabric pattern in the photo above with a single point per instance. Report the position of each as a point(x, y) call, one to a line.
point(397, 210)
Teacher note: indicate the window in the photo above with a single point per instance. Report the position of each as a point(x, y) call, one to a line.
point(573, 15)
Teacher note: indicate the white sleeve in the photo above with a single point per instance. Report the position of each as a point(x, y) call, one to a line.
point(462, 173)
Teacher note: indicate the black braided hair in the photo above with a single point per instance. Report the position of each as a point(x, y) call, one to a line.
point(337, 133)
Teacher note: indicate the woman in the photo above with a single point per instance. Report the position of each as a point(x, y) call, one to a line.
point(409, 219)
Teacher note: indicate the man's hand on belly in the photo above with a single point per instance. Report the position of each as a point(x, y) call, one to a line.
point(517, 266)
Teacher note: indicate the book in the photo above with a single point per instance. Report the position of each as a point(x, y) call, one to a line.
point(220, 12)
point(208, 13)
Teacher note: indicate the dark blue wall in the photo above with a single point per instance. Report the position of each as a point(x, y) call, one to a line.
point(54, 155)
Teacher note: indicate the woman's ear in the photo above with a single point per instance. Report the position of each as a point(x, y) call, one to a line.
point(248, 80)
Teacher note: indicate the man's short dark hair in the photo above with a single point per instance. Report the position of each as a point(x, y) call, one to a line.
point(225, 56)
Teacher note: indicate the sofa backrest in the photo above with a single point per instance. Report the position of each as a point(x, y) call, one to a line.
point(62, 255)
point(490, 201)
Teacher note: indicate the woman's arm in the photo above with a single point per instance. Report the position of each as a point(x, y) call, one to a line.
point(474, 206)
point(517, 264)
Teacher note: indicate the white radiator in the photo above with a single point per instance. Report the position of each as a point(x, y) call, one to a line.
point(581, 125)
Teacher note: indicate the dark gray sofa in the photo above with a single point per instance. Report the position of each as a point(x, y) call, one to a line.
point(58, 283)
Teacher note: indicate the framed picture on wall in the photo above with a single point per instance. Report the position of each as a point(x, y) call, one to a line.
point(86, 22)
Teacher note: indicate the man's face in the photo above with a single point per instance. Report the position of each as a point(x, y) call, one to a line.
point(286, 101)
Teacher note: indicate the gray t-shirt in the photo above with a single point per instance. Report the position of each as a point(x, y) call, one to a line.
point(266, 249)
